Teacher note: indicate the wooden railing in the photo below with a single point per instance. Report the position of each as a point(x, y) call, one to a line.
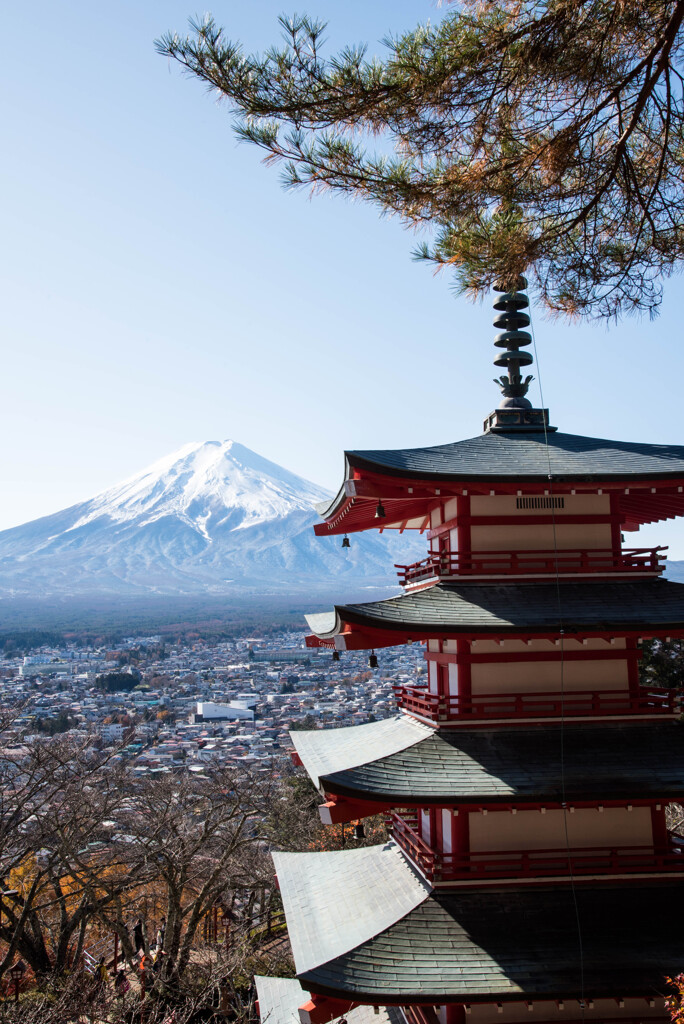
point(521, 563)
point(586, 860)
point(547, 704)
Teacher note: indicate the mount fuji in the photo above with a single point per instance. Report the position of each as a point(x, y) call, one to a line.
point(213, 518)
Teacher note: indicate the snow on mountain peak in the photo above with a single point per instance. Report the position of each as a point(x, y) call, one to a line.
point(212, 518)
point(221, 481)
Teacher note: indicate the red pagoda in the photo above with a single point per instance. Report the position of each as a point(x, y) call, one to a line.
point(531, 875)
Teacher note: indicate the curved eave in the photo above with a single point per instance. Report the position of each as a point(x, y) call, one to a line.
point(328, 509)
point(378, 885)
point(483, 946)
point(333, 750)
point(409, 492)
point(540, 610)
point(508, 766)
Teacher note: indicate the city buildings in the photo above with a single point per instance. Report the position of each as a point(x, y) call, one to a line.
point(156, 724)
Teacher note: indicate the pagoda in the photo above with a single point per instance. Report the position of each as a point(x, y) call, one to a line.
point(530, 874)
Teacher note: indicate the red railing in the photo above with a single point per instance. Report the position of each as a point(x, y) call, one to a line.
point(547, 704)
point(521, 563)
point(587, 860)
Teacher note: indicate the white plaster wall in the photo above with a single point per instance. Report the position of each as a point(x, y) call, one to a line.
point(536, 676)
point(602, 1010)
point(520, 646)
point(568, 537)
point(417, 523)
point(573, 505)
point(532, 830)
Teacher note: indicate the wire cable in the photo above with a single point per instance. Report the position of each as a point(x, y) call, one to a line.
point(561, 630)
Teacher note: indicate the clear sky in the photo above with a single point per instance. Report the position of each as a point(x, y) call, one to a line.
point(159, 287)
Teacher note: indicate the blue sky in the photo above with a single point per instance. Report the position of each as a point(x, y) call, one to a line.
point(159, 286)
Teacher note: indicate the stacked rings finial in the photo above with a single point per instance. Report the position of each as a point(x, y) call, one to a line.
point(510, 306)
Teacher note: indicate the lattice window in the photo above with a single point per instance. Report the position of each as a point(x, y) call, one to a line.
point(545, 502)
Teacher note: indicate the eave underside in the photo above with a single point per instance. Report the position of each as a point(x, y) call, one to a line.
point(355, 513)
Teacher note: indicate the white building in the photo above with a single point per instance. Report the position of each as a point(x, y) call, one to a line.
point(207, 711)
point(113, 732)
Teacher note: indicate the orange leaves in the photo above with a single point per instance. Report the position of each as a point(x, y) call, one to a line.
point(675, 1003)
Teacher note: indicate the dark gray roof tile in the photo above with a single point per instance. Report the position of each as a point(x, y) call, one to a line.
point(512, 944)
point(608, 761)
point(508, 608)
point(502, 456)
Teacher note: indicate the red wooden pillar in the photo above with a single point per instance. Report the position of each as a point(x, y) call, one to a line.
point(465, 676)
point(460, 839)
point(455, 1013)
point(659, 825)
point(633, 655)
point(615, 527)
point(463, 529)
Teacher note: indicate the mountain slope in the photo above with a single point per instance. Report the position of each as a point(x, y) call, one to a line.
point(212, 518)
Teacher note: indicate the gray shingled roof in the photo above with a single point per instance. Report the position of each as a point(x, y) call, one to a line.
point(511, 943)
point(489, 765)
point(333, 750)
point(280, 999)
point(508, 608)
point(517, 455)
point(334, 901)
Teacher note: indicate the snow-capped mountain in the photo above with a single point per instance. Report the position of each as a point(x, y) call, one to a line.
point(212, 518)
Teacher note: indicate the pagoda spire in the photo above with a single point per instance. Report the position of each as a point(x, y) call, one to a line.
point(514, 412)
point(510, 306)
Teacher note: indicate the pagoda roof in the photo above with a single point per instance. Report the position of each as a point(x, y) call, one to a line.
point(363, 927)
point(326, 751)
point(500, 765)
point(378, 885)
point(510, 460)
point(488, 945)
point(280, 999)
point(452, 609)
point(516, 455)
